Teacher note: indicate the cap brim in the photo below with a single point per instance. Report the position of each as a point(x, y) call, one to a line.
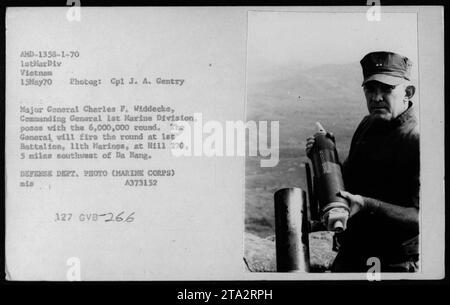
point(385, 79)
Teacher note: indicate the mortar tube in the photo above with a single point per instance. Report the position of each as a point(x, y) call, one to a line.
point(292, 255)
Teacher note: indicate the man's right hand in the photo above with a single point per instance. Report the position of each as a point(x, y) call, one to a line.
point(309, 144)
point(310, 141)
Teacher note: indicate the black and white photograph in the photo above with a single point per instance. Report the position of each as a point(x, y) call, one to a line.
point(345, 194)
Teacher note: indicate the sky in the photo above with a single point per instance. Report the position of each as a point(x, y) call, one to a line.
point(314, 38)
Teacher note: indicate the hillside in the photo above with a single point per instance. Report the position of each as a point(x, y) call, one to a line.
point(330, 94)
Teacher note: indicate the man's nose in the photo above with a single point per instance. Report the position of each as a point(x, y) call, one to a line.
point(377, 96)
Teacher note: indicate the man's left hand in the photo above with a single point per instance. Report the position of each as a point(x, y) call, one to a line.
point(356, 202)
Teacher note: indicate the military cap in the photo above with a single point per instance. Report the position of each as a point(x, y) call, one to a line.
point(386, 67)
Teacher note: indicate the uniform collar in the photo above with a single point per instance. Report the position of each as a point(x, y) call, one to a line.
point(407, 115)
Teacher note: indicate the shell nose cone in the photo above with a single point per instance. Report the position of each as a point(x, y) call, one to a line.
point(319, 128)
point(338, 226)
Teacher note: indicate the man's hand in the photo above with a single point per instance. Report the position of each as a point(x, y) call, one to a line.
point(309, 144)
point(310, 141)
point(356, 202)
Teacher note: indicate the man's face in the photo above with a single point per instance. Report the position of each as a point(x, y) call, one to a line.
point(384, 101)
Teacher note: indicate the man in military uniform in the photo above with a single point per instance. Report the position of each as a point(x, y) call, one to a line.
point(381, 173)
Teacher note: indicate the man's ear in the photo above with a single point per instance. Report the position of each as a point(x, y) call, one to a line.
point(409, 91)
